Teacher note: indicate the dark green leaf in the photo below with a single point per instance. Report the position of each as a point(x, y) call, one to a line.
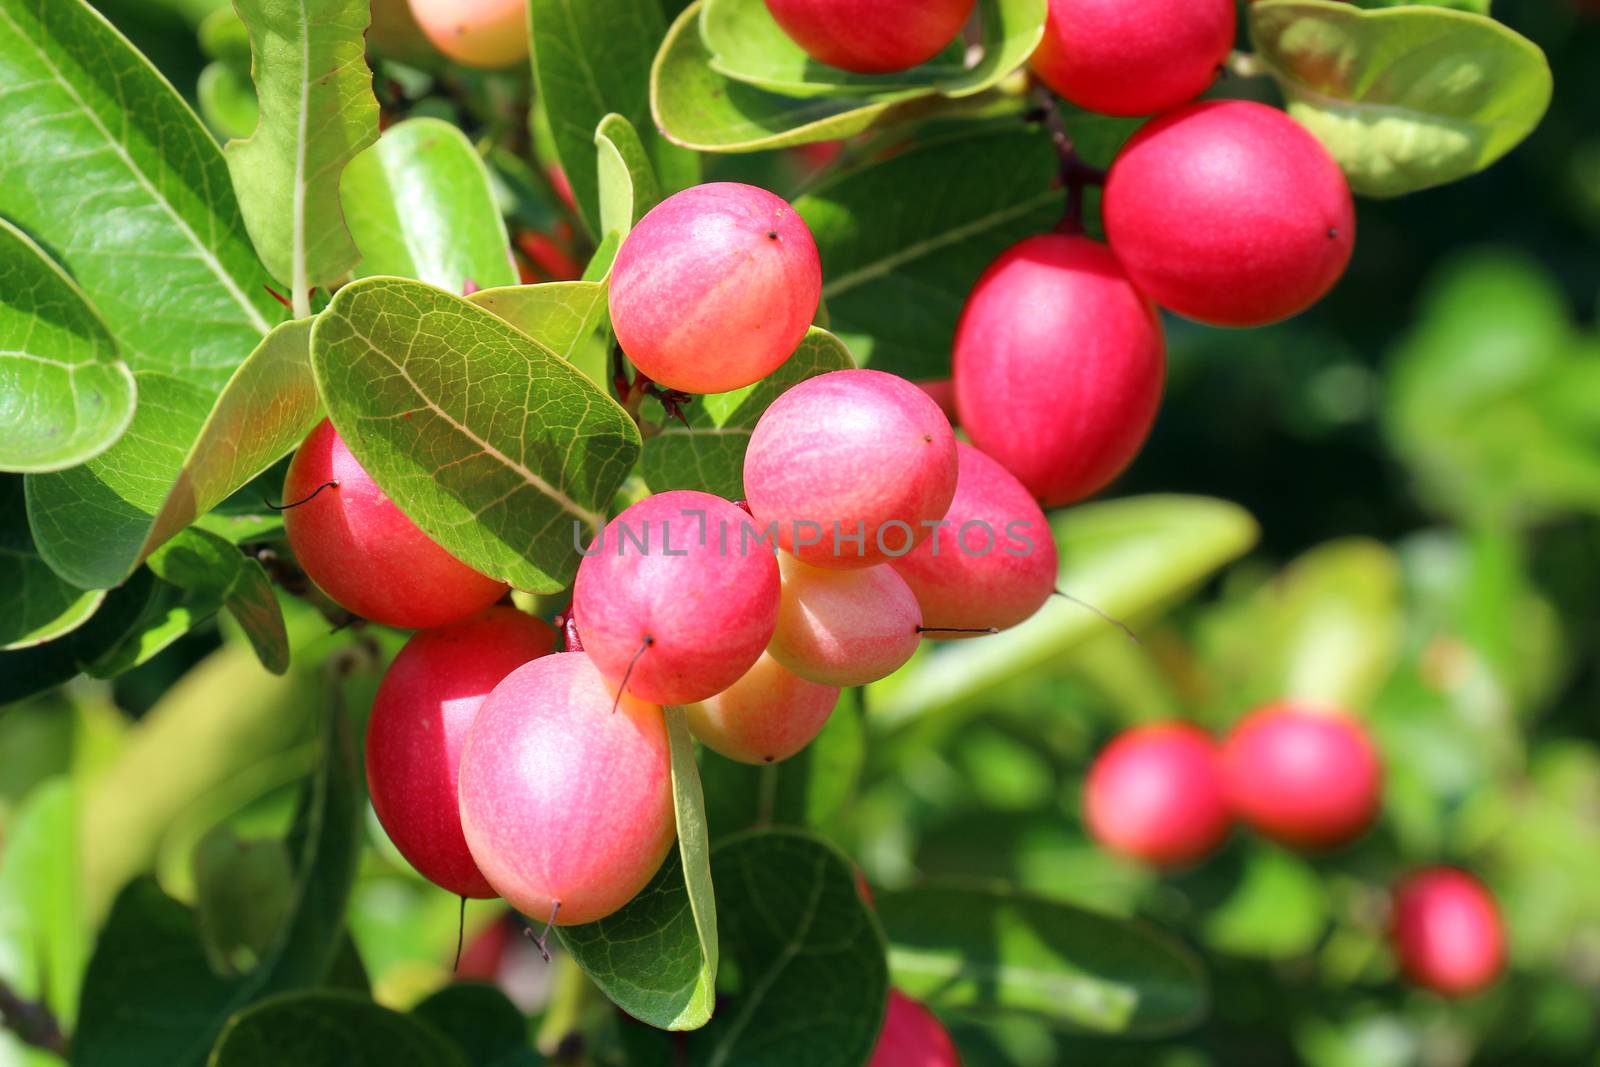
point(903, 241)
point(33, 670)
point(35, 604)
point(317, 112)
point(1404, 97)
point(68, 396)
point(708, 453)
point(978, 951)
point(420, 205)
point(809, 955)
point(242, 891)
point(490, 442)
point(486, 1026)
point(331, 1029)
point(208, 565)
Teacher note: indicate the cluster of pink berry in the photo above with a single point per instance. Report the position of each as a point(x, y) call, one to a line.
point(1307, 777)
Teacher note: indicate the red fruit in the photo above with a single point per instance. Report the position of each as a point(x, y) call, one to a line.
point(1155, 794)
point(362, 551)
point(844, 627)
point(766, 716)
point(715, 288)
point(848, 454)
point(477, 33)
point(872, 36)
point(994, 562)
point(1446, 931)
point(1229, 212)
point(942, 391)
point(912, 1036)
point(1308, 778)
point(1133, 57)
point(420, 718)
point(563, 799)
point(1059, 364)
point(679, 588)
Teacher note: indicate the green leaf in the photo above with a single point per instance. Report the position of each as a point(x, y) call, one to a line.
point(812, 789)
point(331, 1029)
point(36, 606)
point(486, 1026)
point(976, 951)
point(208, 565)
point(1278, 908)
point(708, 453)
point(698, 108)
point(813, 981)
point(903, 241)
point(186, 451)
point(498, 448)
point(420, 205)
point(592, 58)
point(1404, 97)
point(657, 957)
point(169, 614)
point(1130, 558)
point(627, 181)
point(68, 396)
point(103, 163)
point(227, 99)
point(559, 315)
point(44, 933)
point(242, 890)
point(27, 671)
point(149, 957)
point(317, 113)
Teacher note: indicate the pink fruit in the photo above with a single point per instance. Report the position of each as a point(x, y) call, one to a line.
point(994, 562)
point(766, 716)
point(1229, 212)
point(872, 36)
point(849, 466)
point(1058, 366)
point(563, 800)
point(1305, 777)
point(1446, 931)
point(912, 1036)
point(362, 551)
point(1155, 794)
point(424, 708)
point(715, 288)
point(1133, 57)
point(679, 588)
point(478, 33)
point(844, 628)
point(943, 392)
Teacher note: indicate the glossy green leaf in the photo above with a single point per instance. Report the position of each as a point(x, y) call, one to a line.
point(560, 315)
point(699, 108)
point(1129, 558)
point(208, 565)
point(657, 957)
point(35, 604)
point(227, 99)
point(420, 206)
point(26, 671)
point(185, 452)
point(482, 1022)
point(44, 933)
point(169, 614)
point(809, 956)
point(64, 395)
point(317, 113)
point(149, 956)
point(498, 448)
point(977, 951)
point(1404, 97)
point(708, 453)
point(591, 59)
point(903, 241)
point(331, 1029)
point(103, 163)
point(627, 181)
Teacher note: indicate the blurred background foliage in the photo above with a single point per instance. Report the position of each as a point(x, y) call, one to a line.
point(1421, 455)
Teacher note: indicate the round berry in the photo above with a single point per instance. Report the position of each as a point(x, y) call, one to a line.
point(1155, 794)
point(1446, 931)
point(766, 716)
point(872, 36)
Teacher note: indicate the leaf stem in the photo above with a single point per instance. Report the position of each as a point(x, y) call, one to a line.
point(32, 1022)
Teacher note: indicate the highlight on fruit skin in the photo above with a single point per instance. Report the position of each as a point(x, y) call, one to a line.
point(489, 34)
point(1446, 931)
point(1155, 794)
point(554, 838)
point(423, 711)
point(363, 552)
point(872, 36)
point(844, 627)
